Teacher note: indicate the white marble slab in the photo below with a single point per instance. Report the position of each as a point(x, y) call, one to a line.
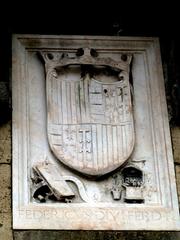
point(91, 127)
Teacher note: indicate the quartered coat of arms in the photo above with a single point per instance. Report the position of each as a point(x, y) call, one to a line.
point(89, 110)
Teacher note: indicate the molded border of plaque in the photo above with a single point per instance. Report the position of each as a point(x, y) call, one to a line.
point(83, 216)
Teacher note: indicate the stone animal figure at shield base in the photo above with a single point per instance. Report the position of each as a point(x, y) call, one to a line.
point(90, 121)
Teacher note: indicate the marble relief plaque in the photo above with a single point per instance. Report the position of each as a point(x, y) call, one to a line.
point(91, 143)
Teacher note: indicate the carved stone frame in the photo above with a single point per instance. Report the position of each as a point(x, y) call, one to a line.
point(82, 216)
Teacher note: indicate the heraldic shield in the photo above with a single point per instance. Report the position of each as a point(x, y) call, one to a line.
point(89, 110)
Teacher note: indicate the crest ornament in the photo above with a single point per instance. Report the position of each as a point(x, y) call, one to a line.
point(89, 110)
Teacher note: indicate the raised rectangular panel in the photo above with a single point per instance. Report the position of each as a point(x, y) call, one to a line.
point(91, 142)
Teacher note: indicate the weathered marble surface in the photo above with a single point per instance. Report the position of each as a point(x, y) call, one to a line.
point(93, 207)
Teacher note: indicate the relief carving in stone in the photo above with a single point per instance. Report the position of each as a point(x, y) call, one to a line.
point(91, 143)
point(90, 120)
